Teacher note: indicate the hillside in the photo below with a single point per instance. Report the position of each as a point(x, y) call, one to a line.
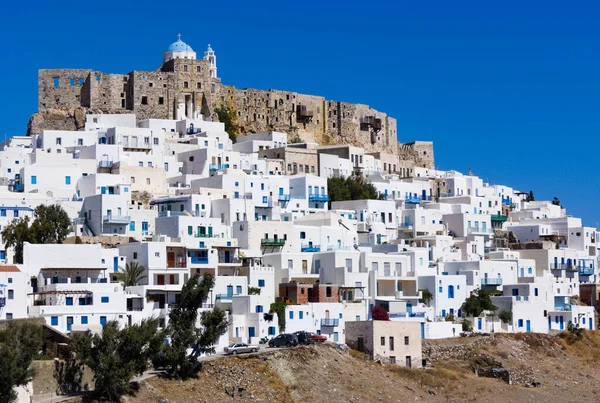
point(541, 368)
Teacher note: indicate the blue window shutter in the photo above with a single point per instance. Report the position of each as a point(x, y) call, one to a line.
point(301, 315)
point(261, 283)
point(54, 321)
point(104, 300)
point(84, 320)
point(291, 314)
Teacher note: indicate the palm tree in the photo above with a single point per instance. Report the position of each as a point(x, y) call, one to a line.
point(132, 275)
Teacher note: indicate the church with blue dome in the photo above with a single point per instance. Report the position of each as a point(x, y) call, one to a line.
point(179, 50)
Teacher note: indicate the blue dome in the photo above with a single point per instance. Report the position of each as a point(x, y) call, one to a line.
point(179, 46)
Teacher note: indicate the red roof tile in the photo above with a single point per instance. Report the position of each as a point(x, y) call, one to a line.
point(9, 269)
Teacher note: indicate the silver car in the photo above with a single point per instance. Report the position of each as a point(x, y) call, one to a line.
point(239, 348)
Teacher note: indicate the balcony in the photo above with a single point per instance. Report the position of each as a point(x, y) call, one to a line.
point(199, 259)
point(477, 230)
point(218, 167)
point(178, 264)
point(283, 198)
point(314, 198)
point(303, 115)
point(136, 145)
point(506, 200)
point(406, 226)
point(491, 281)
point(225, 297)
point(116, 219)
point(586, 271)
point(499, 218)
point(330, 322)
point(407, 315)
point(105, 164)
point(310, 248)
point(412, 199)
point(272, 242)
point(369, 123)
point(563, 266)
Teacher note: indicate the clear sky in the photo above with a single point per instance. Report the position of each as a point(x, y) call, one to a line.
point(510, 90)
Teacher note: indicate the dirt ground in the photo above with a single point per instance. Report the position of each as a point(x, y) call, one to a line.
point(541, 368)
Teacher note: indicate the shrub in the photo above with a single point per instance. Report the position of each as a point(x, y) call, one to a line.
point(427, 296)
point(467, 325)
point(253, 290)
point(378, 313)
point(505, 316)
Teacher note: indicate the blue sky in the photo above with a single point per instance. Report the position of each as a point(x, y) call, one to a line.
point(510, 90)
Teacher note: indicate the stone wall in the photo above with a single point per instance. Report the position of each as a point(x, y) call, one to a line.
point(184, 83)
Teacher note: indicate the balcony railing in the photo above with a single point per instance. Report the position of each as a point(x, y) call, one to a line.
point(116, 219)
point(218, 167)
point(310, 248)
point(283, 198)
point(563, 266)
point(407, 315)
point(412, 199)
point(586, 271)
point(105, 164)
point(406, 225)
point(477, 230)
point(272, 242)
point(499, 217)
point(199, 259)
point(491, 281)
point(318, 198)
point(135, 144)
point(179, 264)
point(330, 322)
point(225, 297)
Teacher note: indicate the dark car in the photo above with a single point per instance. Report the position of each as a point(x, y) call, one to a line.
point(284, 339)
point(303, 337)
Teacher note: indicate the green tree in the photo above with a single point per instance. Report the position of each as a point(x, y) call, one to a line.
point(505, 316)
point(20, 343)
point(278, 308)
point(530, 198)
point(15, 234)
point(132, 275)
point(228, 116)
point(556, 201)
point(51, 224)
point(477, 303)
point(187, 341)
point(427, 296)
point(117, 355)
point(351, 188)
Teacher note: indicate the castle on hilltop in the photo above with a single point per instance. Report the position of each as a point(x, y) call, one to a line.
point(185, 86)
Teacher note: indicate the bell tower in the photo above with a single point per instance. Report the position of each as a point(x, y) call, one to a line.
point(209, 56)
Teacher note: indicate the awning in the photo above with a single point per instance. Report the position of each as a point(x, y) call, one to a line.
point(20, 208)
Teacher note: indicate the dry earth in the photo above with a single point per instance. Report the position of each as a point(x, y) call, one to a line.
point(527, 368)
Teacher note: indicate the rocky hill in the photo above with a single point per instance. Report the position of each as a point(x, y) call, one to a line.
point(515, 368)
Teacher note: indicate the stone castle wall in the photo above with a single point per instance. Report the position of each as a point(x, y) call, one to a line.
point(183, 87)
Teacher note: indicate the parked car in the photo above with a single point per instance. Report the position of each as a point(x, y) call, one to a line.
point(284, 339)
point(303, 337)
point(238, 348)
point(317, 338)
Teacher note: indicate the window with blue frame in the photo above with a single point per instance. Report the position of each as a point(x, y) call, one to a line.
point(104, 300)
point(237, 184)
point(262, 186)
point(443, 313)
point(291, 314)
point(301, 315)
point(11, 294)
point(302, 235)
point(220, 146)
point(67, 180)
point(535, 292)
point(441, 289)
point(271, 331)
point(238, 290)
point(451, 291)
point(515, 292)
point(261, 283)
point(3, 212)
point(16, 213)
point(69, 301)
point(264, 199)
point(520, 323)
point(2, 254)
point(132, 226)
point(54, 320)
point(33, 180)
point(259, 308)
point(529, 270)
point(341, 316)
point(236, 195)
point(84, 320)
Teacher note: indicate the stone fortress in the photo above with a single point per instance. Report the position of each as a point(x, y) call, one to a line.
point(188, 87)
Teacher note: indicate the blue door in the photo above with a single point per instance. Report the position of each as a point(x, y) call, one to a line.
point(237, 332)
point(281, 191)
point(144, 228)
point(102, 320)
point(522, 272)
point(528, 325)
point(409, 308)
point(422, 330)
point(69, 323)
point(450, 291)
point(549, 322)
point(251, 331)
point(479, 323)
point(424, 195)
point(590, 322)
point(562, 323)
point(116, 264)
point(230, 290)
